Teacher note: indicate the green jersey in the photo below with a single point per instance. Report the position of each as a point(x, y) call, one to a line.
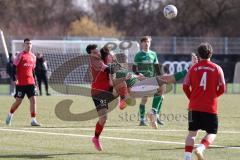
point(145, 62)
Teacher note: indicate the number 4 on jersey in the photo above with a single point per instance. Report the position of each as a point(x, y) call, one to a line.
point(203, 81)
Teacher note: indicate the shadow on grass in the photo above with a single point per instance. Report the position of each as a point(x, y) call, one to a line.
point(36, 156)
point(49, 156)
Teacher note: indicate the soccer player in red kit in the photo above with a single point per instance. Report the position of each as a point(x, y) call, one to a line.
point(25, 82)
point(102, 88)
point(203, 85)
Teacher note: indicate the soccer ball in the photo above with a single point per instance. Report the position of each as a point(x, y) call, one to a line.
point(170, 11)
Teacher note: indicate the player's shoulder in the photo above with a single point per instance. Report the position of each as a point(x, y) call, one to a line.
point(218, 68)
point(33, 56)
point(215, 65)
point(138, 53)
point(19, 54)
point(152, 52)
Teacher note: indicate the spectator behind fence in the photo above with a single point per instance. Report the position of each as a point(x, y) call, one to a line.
point(41, 73)
point(10, 71)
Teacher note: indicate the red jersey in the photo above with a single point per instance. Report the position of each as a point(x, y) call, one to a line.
point(101, 80)
point(25, 63)
point(203, 84)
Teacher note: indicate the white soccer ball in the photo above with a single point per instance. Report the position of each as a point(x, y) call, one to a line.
point(170, 11)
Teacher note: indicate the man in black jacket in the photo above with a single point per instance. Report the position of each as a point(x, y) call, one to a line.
point(11, 73)
point(41, 73)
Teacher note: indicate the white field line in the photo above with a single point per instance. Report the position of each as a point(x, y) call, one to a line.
point(122, 129)
point(104, 137)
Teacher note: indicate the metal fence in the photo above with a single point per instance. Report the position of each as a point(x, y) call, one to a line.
point(165, 45)
point(186, 45)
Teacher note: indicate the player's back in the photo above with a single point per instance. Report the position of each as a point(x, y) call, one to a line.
point(204, 78)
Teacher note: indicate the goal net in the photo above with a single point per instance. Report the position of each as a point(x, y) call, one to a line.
point(4, 57)
point(68, 62)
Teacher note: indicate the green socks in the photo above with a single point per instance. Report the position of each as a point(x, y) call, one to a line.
point(142, 111)
point(157, 103)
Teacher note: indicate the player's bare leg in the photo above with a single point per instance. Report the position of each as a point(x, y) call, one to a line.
point(122, 90)
point(169, 79)
point(189, 144)
point(33, 111)
point(14, 107)
point(102, 113)
point(206, 141)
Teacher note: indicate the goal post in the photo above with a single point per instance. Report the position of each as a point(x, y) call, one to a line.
point(4, 46)
point(236, 79)
point(68, 62)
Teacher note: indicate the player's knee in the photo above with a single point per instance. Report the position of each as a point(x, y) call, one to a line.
point(192, 135)
point(160, 91)
point(144, 100)
point(192, 138)
point(18, 101)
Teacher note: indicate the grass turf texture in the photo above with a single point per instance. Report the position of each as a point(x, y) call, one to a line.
point(58, 139)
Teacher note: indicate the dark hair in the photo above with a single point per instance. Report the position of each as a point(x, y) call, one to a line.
point(26, 40)
point(91, 47)
point(205, 50)
point(104, 52)
point(145, 38)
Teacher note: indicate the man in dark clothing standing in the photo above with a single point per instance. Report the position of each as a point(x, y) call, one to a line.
point(41, 73)
point(11, 72)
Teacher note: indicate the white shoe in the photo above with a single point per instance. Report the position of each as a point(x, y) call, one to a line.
point(199, 154)
point(153, 120)
point(9, 119)
point(35, 124)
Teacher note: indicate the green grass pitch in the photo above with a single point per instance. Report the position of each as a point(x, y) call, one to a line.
point(122, 138)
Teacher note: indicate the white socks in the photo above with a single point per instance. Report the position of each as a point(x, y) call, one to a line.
point(201, 147)
point(10, 114)
point(187, 156)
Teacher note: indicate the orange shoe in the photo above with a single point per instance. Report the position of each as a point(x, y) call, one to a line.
point(122, 104)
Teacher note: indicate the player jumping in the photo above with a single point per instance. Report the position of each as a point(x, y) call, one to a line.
point(101, 88)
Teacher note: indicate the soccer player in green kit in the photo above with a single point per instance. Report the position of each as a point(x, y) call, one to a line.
point(146, 63)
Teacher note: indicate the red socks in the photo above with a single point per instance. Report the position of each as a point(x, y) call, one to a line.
point(12, 110)
point(33, 114)
point(189, 149)
point(205, 143)
point(98, 130)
